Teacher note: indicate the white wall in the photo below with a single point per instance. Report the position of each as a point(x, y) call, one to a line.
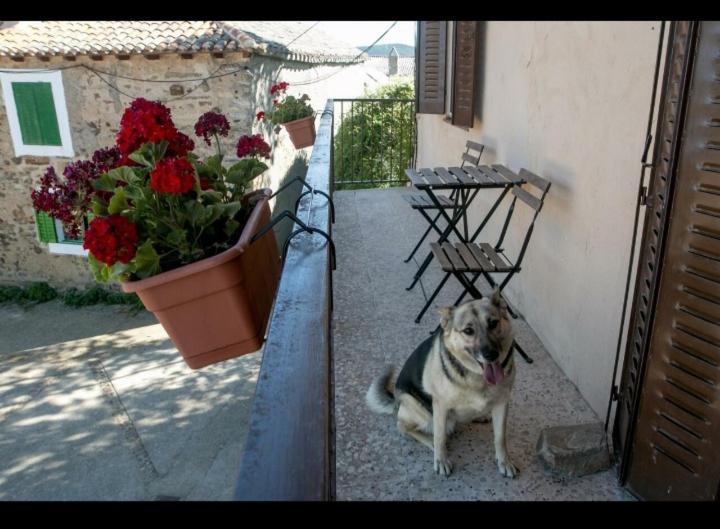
point(568, 101)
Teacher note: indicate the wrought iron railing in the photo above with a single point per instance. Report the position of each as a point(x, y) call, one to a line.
point(374, 142)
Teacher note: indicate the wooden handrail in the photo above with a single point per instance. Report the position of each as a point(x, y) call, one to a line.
point(290, 448)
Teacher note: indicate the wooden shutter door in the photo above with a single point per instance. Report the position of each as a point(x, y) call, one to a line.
point(464, 65)
point(671, 389)
point(430, 67)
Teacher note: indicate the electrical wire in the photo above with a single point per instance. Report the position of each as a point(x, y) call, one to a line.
point(301, 34)
point(352, 62)
point(110, 74)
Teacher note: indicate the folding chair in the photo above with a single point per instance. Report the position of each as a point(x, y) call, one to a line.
point(422, 203)
point(482, 258)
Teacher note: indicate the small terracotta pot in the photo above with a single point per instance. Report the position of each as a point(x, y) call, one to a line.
point(218, 308)
point(301, 131)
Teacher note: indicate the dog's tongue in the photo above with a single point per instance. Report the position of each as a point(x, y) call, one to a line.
point(493, 373)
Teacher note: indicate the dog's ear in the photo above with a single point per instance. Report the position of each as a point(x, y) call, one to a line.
point(446, 316)
point(498, 301)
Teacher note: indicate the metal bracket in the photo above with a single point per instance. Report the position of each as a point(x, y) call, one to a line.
point(310, 189)
point(304, 228)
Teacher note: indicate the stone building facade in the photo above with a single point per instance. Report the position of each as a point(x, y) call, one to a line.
point(227, 67)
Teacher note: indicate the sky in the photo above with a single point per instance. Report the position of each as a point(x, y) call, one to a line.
point(360, 33)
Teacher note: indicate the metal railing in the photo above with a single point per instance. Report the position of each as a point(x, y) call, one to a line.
point(290, 446)
point(374, 142)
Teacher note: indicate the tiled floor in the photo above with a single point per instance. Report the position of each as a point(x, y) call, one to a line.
point(373, 326)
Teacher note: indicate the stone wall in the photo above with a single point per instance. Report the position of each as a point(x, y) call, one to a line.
point(94, 110)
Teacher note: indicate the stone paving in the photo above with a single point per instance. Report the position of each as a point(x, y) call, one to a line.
point(97, 404)
point(373, 326)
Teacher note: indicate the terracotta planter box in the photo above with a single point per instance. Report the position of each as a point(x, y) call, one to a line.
point(301, 131)
point(218, 308)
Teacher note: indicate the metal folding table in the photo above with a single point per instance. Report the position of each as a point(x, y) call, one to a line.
point(467, 181)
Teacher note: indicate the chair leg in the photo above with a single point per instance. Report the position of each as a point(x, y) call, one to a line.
point(420, 242)
point(468, 285)
point(500, 288)
point(465, 292)
point(432, 298)
point(522, 352)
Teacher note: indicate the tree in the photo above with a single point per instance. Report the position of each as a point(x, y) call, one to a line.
point(375, 140)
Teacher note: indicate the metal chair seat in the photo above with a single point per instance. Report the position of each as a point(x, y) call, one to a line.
point(424, 202)
point(471, 257)
point(483, 259)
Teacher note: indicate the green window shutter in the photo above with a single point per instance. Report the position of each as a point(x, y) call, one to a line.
point(45, 227)
point(36, 113)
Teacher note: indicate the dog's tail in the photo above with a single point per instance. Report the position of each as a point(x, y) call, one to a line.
point(379, 397)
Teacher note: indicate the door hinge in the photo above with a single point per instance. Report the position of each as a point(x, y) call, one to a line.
point(645, 199)
point(615, 393)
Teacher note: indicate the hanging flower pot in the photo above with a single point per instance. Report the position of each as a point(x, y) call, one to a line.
point(176, 229)
point(295, 114)
point(301, 132)
point(218, 308)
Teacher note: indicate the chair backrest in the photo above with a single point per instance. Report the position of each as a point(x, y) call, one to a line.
point(536, 203)
point(470, 157)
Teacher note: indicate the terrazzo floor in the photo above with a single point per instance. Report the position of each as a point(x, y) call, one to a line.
point(373, 325)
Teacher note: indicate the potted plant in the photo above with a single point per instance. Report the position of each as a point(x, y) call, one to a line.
point(177, 230)
point(296, 115)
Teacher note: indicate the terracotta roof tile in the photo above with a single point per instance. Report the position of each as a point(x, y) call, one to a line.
point(65, 38)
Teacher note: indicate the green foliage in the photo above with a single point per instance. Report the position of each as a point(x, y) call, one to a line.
point(176, 229)
point(290, 109)
point(375, 140)
point(41, 292)
point(398, 89)
point(96, 295)
point(38, 292)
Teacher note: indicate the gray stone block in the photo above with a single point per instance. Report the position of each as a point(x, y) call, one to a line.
point(575, 450)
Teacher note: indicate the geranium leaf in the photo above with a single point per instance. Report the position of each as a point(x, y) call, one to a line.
point(99, 270)
point(245, 170)
point(139, 157)
point(122, 174)
point(214, 163)
point(118, 202)
point(231, 227)
point(98, 207)
point(105, 182)
point(146, 261)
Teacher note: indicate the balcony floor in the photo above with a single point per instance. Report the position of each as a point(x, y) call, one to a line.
point(373, 325)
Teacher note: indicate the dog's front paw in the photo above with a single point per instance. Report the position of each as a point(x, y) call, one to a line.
point(506, 468)
point(443, 467)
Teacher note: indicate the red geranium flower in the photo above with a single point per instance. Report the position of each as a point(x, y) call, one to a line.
point(210, 124)
point(253, 146)
point(180, 145)
point(111, 239)
point(107, 159)
point(144, 121)
point(173, 175)
point(260, 115)
point(280, 87)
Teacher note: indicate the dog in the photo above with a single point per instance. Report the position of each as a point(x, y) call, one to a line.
point(464, 372)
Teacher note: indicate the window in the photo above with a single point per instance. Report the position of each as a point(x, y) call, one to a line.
point(36, 113)
point(51, 231)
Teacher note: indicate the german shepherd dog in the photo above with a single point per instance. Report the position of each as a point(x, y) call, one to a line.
point(464, 372)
